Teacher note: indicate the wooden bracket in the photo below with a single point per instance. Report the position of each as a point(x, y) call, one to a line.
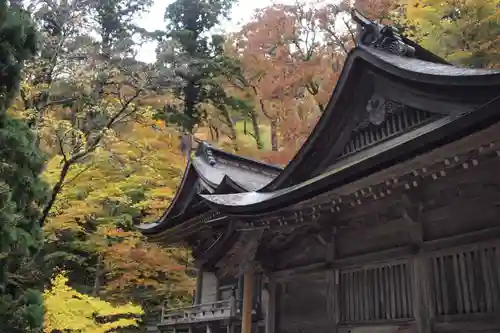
point(411, 211)
point(327, 236)
point(411, 208)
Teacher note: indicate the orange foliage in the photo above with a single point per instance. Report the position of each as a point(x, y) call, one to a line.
point(131, 263)
point(289, 68)
point(375, 9)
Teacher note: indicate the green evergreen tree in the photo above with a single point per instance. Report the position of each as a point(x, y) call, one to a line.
point(21, 190)
point(192, 56)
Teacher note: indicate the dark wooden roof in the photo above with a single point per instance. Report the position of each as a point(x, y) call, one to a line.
point(357, 166)
point(393, 101)
point(211, 171)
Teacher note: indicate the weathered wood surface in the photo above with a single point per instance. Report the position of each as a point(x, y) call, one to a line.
point(246, 313)
point(270, 315)
point(427, 263)
point(214, 311)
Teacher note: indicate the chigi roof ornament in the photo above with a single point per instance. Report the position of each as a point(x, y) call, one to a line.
point(380, 36)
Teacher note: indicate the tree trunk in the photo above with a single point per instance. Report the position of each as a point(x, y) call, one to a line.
point(256, 130)
point(217, 135)
point(274, 135)
point(55, 192)
point(274, 125)
point(232, 130)
point(97, 278)
point(212, 134)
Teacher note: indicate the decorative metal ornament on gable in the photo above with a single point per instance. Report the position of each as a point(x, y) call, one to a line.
point(376, 108)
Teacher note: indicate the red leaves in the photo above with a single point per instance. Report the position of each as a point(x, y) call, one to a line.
point(374, 9)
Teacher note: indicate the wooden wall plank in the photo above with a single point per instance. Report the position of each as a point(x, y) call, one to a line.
point(404, 294)
point(376, 293)
point(422, 304)
point(392, 291)
point(470, 280)
point(464, 283)
point(495, 279)
point(458, 284)
point(271, 307)
point(485, 267)
point(332, 300)
point(444, 285)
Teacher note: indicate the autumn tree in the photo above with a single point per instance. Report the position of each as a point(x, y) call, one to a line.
point(68, 310)
point(91, 232)
point(378, 10)
point(287, 65)
point(91, 87)
point(465, 32)
point(21, 190)
point(84, 105)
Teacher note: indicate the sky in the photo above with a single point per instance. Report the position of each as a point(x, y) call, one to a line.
point(241, 12)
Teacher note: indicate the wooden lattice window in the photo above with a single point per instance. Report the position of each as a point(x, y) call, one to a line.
point(467, 281)
point(376, 293)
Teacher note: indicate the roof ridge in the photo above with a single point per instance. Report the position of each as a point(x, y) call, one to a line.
point(389, 39)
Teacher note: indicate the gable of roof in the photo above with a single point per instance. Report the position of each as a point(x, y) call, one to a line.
point(410, 89)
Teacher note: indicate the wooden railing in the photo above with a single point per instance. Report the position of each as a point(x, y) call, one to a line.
point(200, 312)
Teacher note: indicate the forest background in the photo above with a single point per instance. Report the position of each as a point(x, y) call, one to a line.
point(89, 135)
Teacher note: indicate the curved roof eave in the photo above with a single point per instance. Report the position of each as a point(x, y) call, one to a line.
point(420, 141)
point(184, 190)
point(408, 69)
point(227, 185)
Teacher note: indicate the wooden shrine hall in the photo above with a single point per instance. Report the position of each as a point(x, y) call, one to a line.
point(387, 219)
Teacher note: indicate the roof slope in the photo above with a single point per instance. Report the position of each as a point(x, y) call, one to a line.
point(421, 83)
point(211, 171)
point(372, 160)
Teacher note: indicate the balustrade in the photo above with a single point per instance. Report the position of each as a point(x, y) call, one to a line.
point(201, 312)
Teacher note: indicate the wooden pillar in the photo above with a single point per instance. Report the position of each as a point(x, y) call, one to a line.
point(231, 327)
point(411, 209)
point(271, 307)
point(332, 301)
point(199, 286)
point(239, 288)
point(422, 302)
point(246, 314)
point(217, 288)
point(332, 284)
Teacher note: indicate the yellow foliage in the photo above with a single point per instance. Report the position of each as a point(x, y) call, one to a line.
point(464, 31)
point(131, 178)
point(67, 310)
point(147, 163)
